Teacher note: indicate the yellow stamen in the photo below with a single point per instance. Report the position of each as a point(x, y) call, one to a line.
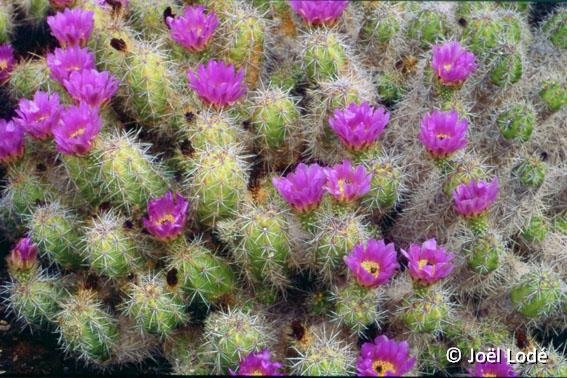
point(423, 262)
point(383, 367)
point(166, 218)
point(442, 136)
point(371, 267)
point(489, 375)
point(77, 133)
point(3, 64)
point(256, 373)
point(341, 184)
point(447, 67)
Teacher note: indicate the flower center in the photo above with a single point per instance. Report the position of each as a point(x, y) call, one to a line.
point(77, 133)
point(257, 372)
point(3, 64)
point(383, 367)
point(423, 262)
point(371, 267)
point(442, 136)
point(447, 67)
point(166, 218)
point(489, 375)
point(341, 184)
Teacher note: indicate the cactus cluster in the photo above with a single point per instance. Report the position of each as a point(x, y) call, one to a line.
point(287, 187)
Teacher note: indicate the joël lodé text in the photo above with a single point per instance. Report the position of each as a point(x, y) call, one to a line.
point(496, 355)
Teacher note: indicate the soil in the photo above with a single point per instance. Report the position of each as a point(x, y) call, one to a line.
point(23, 352)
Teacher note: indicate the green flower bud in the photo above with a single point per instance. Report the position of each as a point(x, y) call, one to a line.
point(390, 88)
point(483, 254)
point(356, 306)
point(385, 185)
point(426, 312)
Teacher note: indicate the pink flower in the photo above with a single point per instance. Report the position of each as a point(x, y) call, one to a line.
point(77, 129)
point(493, 369)
point(194, 29)
point(167, 216)
point(428, 263)
point(443, 133)
point(373, 263)
point(24, 255)
point(38, 116)
point(347, 183)
point(359, 126)
point(6, 61)
point(474, 198)
point(258, 364)
point(63, 62)
point(452, 64)
point(320, 12)
point(91, 87)
point(72, 27)
point(384, 358)
point(303, 188)
point(217, 83)
point(11, 141)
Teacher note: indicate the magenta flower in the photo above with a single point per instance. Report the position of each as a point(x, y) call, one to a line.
point(428, 263)
point(443, 133)
point(359, 126)
point(474, 198)
point(320, 12)
point(72, 27)
point(493, 369)
point(373, 263)
point(11, 141)
point(347, 183)
point(217, 83)
point(38, 116)
point(106, 4)
point(77, 129)
point(6, 61)
point(62, 62)
point(194, 29)
point(452, 63)
point(24, 255)
point(303, 188)
point(91, 87)
point(167, 216)
point(384, 358)
point(260, 364)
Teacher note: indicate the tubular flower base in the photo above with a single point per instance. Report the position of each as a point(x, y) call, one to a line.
point(194, 29)
point(217, 83)
point(167, 216)
point(258, 364)
point(383, 358)
point(322, 12)
point(429, 263)
point(373, 263)
point(302, 189)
